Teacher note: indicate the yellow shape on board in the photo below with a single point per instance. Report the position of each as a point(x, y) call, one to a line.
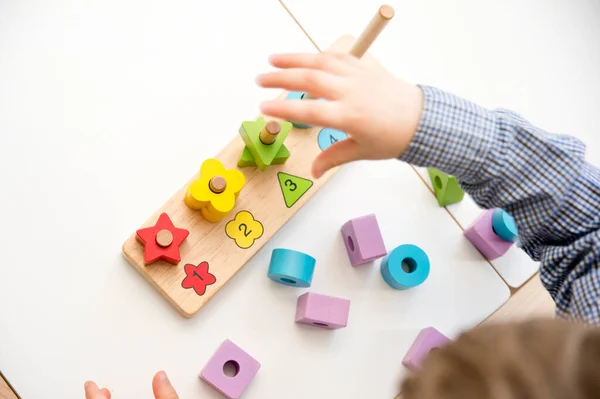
point(244, 229)
point(214, 206)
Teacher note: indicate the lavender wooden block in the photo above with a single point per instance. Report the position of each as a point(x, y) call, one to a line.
point(245, 368)
point(322, 311)
point(363, 240)
point(482, 236)
point(429, 338)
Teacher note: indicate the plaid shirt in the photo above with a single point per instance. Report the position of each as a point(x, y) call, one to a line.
point(541, 179)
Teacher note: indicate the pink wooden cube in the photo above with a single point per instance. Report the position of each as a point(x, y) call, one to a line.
point(244, 368)
point(363, 240)
point(482, 236)
point(428, 339)
point(322, 311)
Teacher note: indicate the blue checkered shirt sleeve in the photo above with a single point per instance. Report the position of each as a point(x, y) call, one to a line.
point(541, 179)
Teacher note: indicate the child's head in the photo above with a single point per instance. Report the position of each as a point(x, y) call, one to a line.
point(541, 359)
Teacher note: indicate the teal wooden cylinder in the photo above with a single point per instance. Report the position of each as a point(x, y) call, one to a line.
point(291, 268)
point(405, 267)
point(504, 225)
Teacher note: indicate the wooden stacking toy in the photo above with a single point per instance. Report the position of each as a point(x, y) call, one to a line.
point(405, 267)
point(322, 311)
point(493, 233)
point(428, 339)
point(291, 268)
point(363, 240)
point(215, 191)
point(226, 230)
point(446, 188)
point(245, 367)
point(264, 143)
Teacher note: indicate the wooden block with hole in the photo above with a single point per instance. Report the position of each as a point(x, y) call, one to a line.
point(446, 188)
point(269, 186)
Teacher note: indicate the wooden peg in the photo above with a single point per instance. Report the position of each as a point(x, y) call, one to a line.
point(217, 184)
point(269, 133)
point(368, 36)
point(372, 31)
point(164, 238)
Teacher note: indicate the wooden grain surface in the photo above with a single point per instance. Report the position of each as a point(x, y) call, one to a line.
point(5, 391)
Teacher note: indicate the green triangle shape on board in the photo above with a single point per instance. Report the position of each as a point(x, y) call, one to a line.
point(246, 159)
point(292, 187)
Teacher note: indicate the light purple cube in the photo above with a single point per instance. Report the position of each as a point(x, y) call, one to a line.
point(322, 311)
point(482, 236)
point(363, 240)
point(429, 338)
point(244, 368)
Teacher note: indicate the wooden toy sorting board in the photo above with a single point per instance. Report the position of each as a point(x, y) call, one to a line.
point(212, 253)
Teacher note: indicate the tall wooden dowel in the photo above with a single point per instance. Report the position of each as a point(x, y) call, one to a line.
point(368, 36)
point(372, 31)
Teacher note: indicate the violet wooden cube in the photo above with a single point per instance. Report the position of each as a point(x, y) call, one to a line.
point(363, 240)
point(482, 236)
point(322, 311)
point(244, 368)
point(429, 338)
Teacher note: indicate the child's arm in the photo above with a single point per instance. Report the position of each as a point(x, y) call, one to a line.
point(500, 159)
point(542, 180)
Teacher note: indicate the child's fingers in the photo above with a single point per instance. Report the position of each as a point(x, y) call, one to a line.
point(340, 153)
point(346, 58)
point(326, 61)
point(93, 392)
point(318, 83)
point(311, 112)
point(162, 388)
point(106, 392)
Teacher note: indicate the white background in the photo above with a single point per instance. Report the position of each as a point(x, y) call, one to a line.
point(106, 109)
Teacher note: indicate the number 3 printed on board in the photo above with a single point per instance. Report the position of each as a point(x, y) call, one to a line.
point(291, 185)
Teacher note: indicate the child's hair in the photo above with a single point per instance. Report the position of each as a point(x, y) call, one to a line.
point(539, 359)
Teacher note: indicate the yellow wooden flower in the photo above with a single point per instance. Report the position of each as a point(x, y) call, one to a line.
point(215, 190)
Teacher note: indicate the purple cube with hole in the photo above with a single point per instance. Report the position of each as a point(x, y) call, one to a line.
point(322, 311)
point(244, 368)
point(429, 338)
point(363, 240)
point(484, 238)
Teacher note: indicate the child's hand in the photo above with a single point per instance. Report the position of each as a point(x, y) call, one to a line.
point(161, 387)
point(379, 113)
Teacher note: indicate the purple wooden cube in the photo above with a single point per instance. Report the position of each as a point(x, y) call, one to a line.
point(482, 236)
point(244, 367)
point(429, 338)
point(363, 240)
point(322, 311)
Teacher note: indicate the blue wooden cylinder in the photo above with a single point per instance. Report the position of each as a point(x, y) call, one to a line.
point(297, 95)
point(291, 267)
point(416, 263)
point(504, 225)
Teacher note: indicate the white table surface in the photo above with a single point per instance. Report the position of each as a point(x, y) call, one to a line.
point(540, 58)
point(106, 109)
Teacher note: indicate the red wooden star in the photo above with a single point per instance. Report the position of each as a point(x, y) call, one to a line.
point(197, 277)
point(162, 241)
